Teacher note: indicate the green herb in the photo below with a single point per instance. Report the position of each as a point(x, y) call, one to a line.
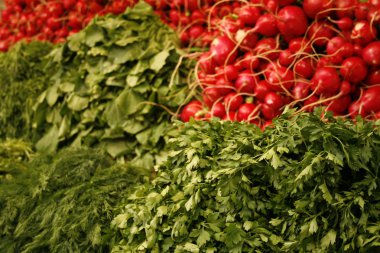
point(110, 80)
point(302, 186)
point(22, 79)
point(64, 203)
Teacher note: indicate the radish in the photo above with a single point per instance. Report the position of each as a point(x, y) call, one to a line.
point(250, 61)
point(325, 81)
point(373, 77)
point(309, 103)
point(230, 115)
point(317, 8)
point(232, 101)
point(266, 25)
point(247, 112)
point(304, 67)
point(286, 58)
point(320, 33)
point(249, 15)
point(262, 88)
point(267, 47)
point(339, 105)
point(371, 53)
point(345, 23)
point(279, 78)
point(273, 100)
point(223, 50)
point(207, 63)
point(246, 82)
point(269, 112)
point(218, 110)
point(345, 8)
point(354, 69)
point(361, 11)
point(345, 88)
point(370, 99)
point(363, 33)
point(190, 110)
point(300, 44)
point(300, 90)
point(292, 21)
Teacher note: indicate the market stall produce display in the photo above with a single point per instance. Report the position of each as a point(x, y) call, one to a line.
point(189, 126)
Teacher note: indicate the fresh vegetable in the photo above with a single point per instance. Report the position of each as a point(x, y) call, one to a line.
point(64, 203)
point(310, 55)
point(116, 85)
point(300, 186)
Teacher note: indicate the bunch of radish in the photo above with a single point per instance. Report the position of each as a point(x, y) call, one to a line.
point(51, 20)
point(272, 53)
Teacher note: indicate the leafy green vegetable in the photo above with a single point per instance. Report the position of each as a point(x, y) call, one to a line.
point(110, 79)
point(64, 203)
point(13, 154)
point(22, 79)
point(300, 186)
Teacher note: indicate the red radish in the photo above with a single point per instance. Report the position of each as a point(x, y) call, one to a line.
point(246, 82)
point(207, 63)
point(320, 33)
point(300, 90)
point(232, 101)
point(339, 105)
point(345, 23)
point(373, 15)
point(345, 88)
point(230, 72)
point(218, 110)
point(250, 61)
point(210, 95)
point(274, 100)
point(249, 14)
point(292, 21)
point(286, 2)
point(304, 67)
point(356, 109)
point(230, 115)
point(246, 38)
point(371, 53)
point(300, 44)
point(247, 112)
point(307, 103)
point(269, 112)
point(354, 69)
point(262, 88)
point(373, 77)
point(363, 33)
point(375, 3)
point(334, 45)
point(370, 99)
point(345, 8)
point(195, 32)
point(267, 47)
point(266, 25)
point(317, 8)
point(286, 58)
point(325, 81)
point(361, 11)
point(223, 86)
point(190, 110)
point(223, 50)
point(279, 78)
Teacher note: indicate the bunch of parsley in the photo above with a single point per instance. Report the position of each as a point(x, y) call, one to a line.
point(303, 185)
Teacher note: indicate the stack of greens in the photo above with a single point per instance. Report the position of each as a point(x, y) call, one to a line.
point(110, 79)
point(23, 77)
point(64, 203)
point(301, 186)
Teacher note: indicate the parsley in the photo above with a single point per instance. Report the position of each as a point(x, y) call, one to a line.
point(303, 185)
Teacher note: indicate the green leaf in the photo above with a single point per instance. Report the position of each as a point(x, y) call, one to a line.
point(159, 60)
point(203, 237)
point(313, 227)
point(328, 239)
point(49, 142)
point(326, 193)
point(77, 103)
point(93, 34)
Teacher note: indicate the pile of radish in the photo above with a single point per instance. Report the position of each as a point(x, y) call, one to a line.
point(270, 53)
point(51, 20)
